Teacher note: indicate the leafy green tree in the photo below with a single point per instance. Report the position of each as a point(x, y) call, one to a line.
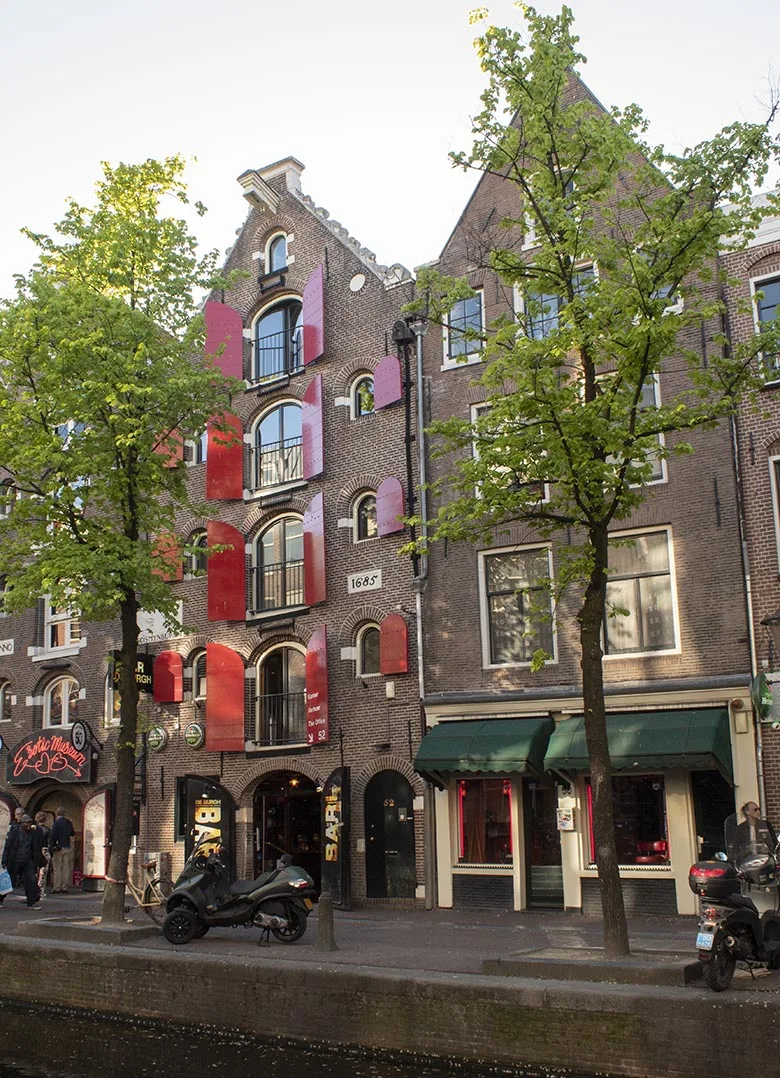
point(567, 379)
point(104, 376)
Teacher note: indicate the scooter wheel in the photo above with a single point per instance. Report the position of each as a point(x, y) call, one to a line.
point(719, 971)
point(201, 930)
point(296, 926)
point(180, 926)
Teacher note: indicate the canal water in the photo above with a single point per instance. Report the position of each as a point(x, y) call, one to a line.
point(43, 1042)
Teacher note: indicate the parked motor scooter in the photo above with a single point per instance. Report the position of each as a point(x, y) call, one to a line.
point(739, 905)
point(278, 901)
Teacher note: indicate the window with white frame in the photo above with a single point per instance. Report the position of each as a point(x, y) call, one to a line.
point(462, 335)
point(5, 701)
point(541, 310)
point(8, 498)
point(196, 562)
point(280, 702)
point(277, 344)
point(61, 628)
point(278, 565)
point(640, 594)
point(766, 297)
point(648, 398)
point(361, 396)
point(112, 698)
point(364, 525)
point(516, 605)
point(277, 447)
point(276, 253)
point(199, 676)
point(480, 413)
point(367, 651)
point(61, 702)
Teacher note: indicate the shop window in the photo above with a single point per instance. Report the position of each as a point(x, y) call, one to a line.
point(61, 702)
point(199, 677)
point(364, 523)
point(462, 335)
point(362, 396)
point(368, 651)
point(278, 342)
point(277, 447)
point(280, 703)
point(516, 605)
point(640, 583)
point(766, 296)
point(278, 568)
point(639, 809)
point(484, 830)
point(5, 701)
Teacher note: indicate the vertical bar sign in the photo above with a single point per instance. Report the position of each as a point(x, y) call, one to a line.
point(317, 722)
point(335, 837)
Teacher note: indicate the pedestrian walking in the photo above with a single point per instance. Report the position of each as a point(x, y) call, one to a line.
point(21, 856)
point(62, 853)
point(18, 813)
point(42, 843)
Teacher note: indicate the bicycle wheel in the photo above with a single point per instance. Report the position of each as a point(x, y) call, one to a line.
point(154, 899)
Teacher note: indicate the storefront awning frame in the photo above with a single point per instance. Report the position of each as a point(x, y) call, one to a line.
point(484, 748)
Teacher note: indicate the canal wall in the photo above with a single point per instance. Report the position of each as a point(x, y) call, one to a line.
point(647, 1032)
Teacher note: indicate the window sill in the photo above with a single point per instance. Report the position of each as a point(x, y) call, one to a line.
point(483, 870)
point(274, 492)
point(454, 364)
point(518, 665)
point(40, 655)
point(286, 613)
point(641, 655)
point(255, 748)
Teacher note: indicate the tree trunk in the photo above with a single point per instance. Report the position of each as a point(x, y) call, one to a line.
point(113, 909)
point(591, 618)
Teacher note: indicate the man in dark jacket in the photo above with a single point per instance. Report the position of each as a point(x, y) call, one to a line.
point(62, 853)
point(22, 856)
point(18, 813)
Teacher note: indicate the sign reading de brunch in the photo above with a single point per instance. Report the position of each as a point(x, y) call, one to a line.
point(48, 756)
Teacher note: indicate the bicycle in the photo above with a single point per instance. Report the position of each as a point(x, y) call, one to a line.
point(153, 897)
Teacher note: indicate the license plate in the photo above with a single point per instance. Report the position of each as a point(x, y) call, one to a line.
point(308, 904)
point(704, 941)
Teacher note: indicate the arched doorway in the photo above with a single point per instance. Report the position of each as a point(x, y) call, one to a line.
point(49, 801)
point(389, 820)
point(286, 810)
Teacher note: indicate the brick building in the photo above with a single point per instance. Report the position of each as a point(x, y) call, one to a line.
point(505, 746)
point(299, 662)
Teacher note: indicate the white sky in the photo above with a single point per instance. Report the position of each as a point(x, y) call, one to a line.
point(371, 97)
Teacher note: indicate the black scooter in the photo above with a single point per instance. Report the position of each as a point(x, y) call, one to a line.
point(278, 901)
point(739, 905)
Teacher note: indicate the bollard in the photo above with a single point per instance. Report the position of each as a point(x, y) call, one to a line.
point(326, 938)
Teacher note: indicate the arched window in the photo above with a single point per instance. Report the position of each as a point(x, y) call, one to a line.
point(280, 711)
point(196, 562)
point(276, 259)
point(8, 497)
point(61, 702)
point(365, 517)
point(362, 396)
point(278, 447)
point(199, 676)
point(278, 341)
point(367, 651)
point(201, 448)
point(279, 565)
point(5, 701)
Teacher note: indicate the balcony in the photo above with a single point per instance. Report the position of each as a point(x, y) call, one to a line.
point(277, 463)
point(280, 719)
point(275, 356)
point(276, 587)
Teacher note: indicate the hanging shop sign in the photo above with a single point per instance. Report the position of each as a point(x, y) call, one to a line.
point(317, 721)
point(144, 672)
point(156, 738)
point(48, 756)
point(335, 837)
point(194, 735)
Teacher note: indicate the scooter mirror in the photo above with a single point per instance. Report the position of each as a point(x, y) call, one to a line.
point(720, 856)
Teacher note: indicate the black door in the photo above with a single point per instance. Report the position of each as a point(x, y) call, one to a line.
point(544, 872)
point(389, 820)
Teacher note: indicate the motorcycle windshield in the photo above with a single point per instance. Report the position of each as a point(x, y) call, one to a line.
point(748, 844)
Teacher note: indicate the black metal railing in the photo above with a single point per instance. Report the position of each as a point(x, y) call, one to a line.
point(280, 719)
point(277, 463)
point(275, 587)
point(275, 355)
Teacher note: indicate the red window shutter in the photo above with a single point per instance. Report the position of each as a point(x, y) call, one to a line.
point(314, 581)
point(389, 506)
point(172, 449)
point(224, 326)
point(225, 460)
point(393, 646)
point(317, 719)
point(226, 574)
point(311, 419)
point(387, 382)
point(313, 317)
point(168, 678)
point(224, 699)
point(167, 550)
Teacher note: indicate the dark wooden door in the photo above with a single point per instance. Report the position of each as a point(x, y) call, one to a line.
point(389, 821)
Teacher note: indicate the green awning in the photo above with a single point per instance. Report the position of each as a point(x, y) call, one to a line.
point(649, 741)
point(484, 747)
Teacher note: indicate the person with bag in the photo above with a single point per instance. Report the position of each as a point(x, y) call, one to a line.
point(42, 843)
point(21, 856)
point(8, 884)
point(62, 853)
